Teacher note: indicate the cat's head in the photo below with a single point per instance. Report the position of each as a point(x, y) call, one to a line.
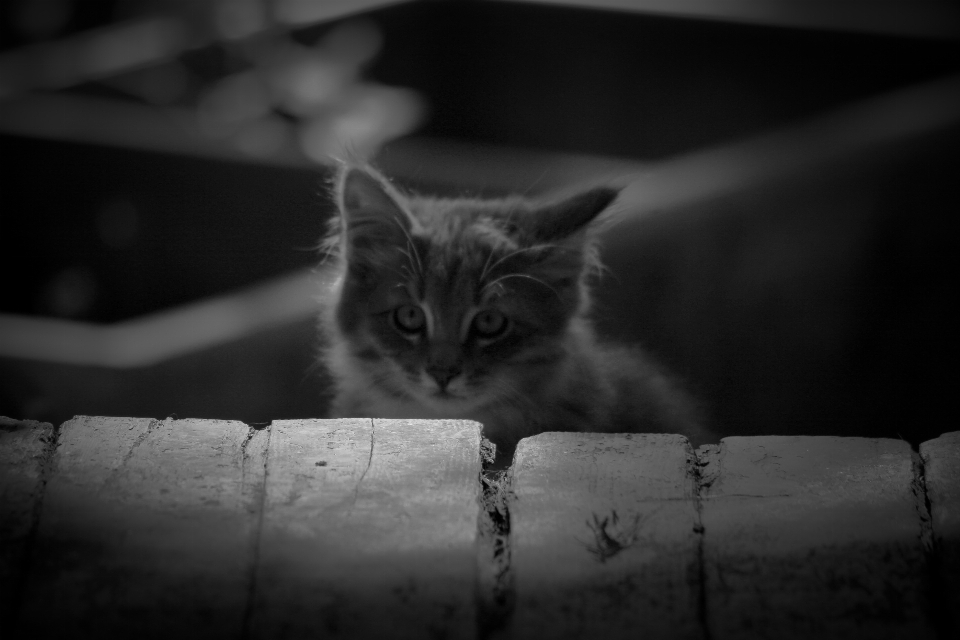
point(455, 303)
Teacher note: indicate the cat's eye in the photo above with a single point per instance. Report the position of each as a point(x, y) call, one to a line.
point(409, 318)
point(490, 323)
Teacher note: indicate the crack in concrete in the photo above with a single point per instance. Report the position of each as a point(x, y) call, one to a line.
point(922, 502)
point(356, 491)
point(250, 605)
point(936, 586)
point(112, 479)
point(26, 560)
point(495, 586)
point(252, 430)
point(697, 467)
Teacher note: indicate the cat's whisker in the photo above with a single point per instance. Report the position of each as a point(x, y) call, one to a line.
point(403, 272)
point(411, 246)
point(521, 275)
point(486, 266)
point(486, 270)
point(538, 180)
point(408, 274)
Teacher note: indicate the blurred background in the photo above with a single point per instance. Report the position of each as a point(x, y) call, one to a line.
point(790, 170)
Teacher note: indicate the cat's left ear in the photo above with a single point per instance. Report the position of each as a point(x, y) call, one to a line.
point(561, 220)
point(370, 206)
point(363, 194)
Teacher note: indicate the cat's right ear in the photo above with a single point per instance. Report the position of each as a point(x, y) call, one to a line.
point(371, 210)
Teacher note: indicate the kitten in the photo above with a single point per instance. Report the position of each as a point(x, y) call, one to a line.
point(478, 309)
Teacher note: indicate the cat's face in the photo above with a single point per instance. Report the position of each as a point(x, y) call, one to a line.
point(457, 303)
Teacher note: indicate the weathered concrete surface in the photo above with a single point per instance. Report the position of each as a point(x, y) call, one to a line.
point(146, 531)
point(23, 447)
point(369, 529)
point(604, 541)
point(813, 537)
point(941, 460)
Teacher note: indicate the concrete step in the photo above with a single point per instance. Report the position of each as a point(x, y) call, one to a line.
point(362, 528)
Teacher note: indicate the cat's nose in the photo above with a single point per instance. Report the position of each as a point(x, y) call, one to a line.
point(443, 375)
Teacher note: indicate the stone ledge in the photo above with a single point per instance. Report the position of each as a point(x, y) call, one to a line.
point(373, 528)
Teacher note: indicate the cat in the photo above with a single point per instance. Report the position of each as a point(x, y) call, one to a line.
point(480, 309)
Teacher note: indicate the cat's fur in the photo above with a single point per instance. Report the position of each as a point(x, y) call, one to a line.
point(478, 309)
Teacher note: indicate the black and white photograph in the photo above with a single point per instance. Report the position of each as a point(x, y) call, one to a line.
point(479, 319)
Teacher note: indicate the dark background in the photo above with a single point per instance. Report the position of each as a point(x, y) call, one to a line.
point(811, 303)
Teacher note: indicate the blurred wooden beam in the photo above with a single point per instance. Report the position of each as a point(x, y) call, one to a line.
point(170, 333)
point(650, 188)
point(921, 18)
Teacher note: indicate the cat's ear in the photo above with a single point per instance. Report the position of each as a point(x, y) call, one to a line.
point(371, 209)
point(568, 251)
point(561, 220)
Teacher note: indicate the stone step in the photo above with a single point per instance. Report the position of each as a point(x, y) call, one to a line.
point(813, 537)
point(364, 528)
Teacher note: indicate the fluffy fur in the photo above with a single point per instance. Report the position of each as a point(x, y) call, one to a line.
point(478, 309)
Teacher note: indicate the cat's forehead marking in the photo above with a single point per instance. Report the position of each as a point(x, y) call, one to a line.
point(454, 216)
point(464, 245)
point(493, 237)
point(462, 330)
point(467, 323)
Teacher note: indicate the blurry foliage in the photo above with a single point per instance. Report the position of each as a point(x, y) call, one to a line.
point(241, 65)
